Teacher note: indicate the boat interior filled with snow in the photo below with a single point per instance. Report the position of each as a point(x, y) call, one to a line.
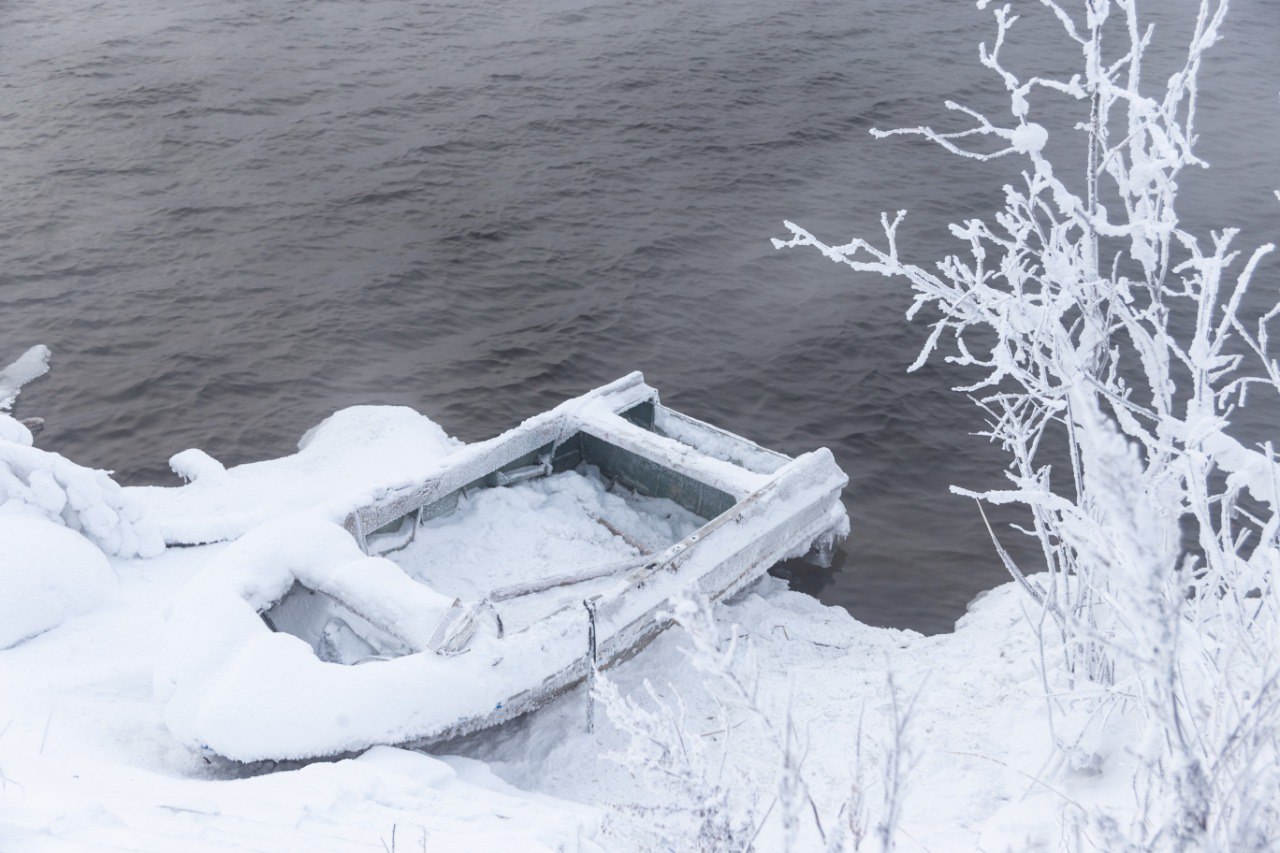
point(519, 567)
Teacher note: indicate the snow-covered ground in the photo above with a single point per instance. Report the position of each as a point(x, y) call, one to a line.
point(87, 761)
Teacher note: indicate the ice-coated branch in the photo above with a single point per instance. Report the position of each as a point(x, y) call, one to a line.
point(663, 752)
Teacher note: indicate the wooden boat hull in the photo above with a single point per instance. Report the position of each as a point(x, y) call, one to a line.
point(233, 688)
point(794, 509)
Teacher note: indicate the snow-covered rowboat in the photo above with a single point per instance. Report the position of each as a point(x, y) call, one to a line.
point(520, 566)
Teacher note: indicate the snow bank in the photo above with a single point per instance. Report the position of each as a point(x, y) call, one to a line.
point(88, 757)
point(386, 799)
point(88, 762)
point(47, 575)
point(979, 744)
point(338, 466)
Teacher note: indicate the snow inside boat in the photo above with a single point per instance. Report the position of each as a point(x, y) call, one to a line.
point(477, 594)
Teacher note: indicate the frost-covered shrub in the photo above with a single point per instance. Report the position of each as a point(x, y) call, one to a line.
point(697, 782)
point(1099, 324)
point(675, 761)
point(83, 499)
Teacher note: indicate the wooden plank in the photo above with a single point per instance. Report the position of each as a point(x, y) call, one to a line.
point(672, 455)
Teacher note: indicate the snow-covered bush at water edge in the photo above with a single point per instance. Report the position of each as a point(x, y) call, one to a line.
point(664, 751)
point(1098, 323)
point(82, 499)
point(56, 521)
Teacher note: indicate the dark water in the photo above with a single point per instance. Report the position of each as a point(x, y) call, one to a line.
point(229, 218)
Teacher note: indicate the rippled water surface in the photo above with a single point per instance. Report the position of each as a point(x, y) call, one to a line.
point(229, 218)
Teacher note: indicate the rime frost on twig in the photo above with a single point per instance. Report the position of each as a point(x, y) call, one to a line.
point(899, 759)
point(1095, 321)
point(673, 760)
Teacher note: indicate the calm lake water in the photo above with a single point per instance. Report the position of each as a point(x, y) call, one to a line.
point(229, 218)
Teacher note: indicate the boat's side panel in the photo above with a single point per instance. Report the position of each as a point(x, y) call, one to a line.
point(644, 475)
point(716, 442)
point(671, 454)
point(468, 465)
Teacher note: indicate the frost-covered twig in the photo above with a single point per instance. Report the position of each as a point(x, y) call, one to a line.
point(718, 659)
point(673, 761)
point(898, 762)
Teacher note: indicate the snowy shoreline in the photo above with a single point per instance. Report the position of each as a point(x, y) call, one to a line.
point(87, 761)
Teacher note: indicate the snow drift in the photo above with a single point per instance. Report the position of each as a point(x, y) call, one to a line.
point(48, 574)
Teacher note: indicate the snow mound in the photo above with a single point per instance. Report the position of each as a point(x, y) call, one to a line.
point(47, 575)
point(340, 464)
point(86, 762)
point(13, 430)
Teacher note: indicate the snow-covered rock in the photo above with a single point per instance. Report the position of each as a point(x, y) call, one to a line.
point(47, 575)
